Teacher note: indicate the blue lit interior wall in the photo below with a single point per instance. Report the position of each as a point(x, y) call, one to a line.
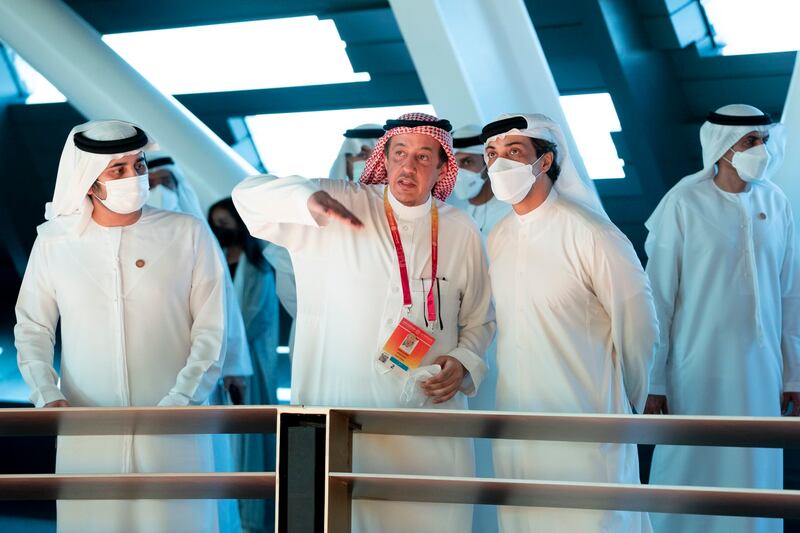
point(648, 54)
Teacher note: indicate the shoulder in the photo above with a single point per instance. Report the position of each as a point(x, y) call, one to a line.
point(459, 221)
point(51, 232)
point(500, 229)
point(176, 230)
point(582, 218)
point(587, 225)
point(172, 220)
point(773, 192)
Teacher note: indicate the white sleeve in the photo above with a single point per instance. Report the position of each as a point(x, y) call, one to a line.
point(198, 377)
point(475, 317)
point(664, 271)
point(624, 292)
point(790, 291)
point(35, 331)
point(279, 258)
point(276, 209)
point(237, 361)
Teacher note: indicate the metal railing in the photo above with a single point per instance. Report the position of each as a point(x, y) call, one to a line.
point(339, 485)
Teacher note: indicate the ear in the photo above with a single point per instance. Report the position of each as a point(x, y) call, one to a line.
point(94, 191)
point(547, 162)
point(724, 160)
point(442, 172)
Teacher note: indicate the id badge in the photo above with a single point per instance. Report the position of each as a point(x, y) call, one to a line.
point(405, 348)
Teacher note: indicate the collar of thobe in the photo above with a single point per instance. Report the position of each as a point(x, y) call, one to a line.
point(733, 196)
point(540, 211)
point(405, 212)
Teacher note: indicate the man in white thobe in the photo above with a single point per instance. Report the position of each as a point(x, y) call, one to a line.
point(726, 283)
point(352, 296)
point(139, 294)
point(354, 152)
point(170, 190)
point(575, 320)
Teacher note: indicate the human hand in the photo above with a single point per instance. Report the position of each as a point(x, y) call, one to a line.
point(446, 383)
point(58, 403)
point(236, 386)
point(656, 405)
point(322, 205)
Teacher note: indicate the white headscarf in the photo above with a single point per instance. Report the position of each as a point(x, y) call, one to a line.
point(570, 184)
point(188, 202)
point(716, 140)
point(71, 208)
point(351, 145)
point(467, 132)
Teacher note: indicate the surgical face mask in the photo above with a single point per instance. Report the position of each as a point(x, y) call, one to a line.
point(512, 180)
point(227, 237)
point(163, 197)
point(412, 395)
point(126, 195)
point(751, 165)
point(468, 184)
point(358, 169)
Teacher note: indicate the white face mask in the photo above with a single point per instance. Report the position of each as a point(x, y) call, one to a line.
point(162, 197)
point(751, 165)
point(358, 169)
point(126, 195)
point(468, 184)
point(512, 180)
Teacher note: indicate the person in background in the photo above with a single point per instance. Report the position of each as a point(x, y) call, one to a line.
point(356, 149)
point(254, 284)
point(473, 191)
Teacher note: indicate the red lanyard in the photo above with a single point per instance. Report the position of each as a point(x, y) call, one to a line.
point(401, 257)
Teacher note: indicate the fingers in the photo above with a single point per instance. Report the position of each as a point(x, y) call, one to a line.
point(322, 204)
point(444, 385)
point(337, 211)
point(656, 405)
point(445, 398)
point(344, 216)
point(443, 389)
point(443, 394)
point(651, 406)
point(445, 375)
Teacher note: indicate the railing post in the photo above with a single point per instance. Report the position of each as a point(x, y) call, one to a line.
point(338, 497)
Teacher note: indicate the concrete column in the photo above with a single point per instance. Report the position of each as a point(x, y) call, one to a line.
point(477, 59)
